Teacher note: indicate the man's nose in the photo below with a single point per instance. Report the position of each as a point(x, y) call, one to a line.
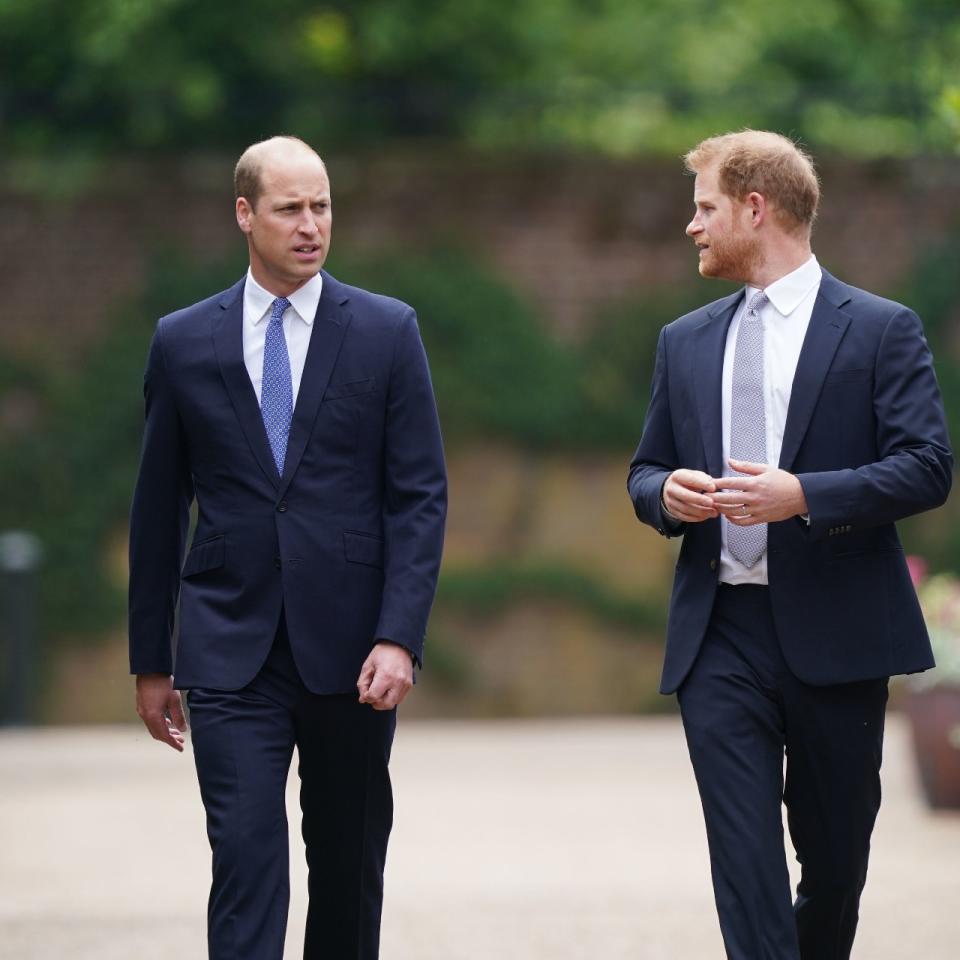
point(308, 223)
point(693, 227)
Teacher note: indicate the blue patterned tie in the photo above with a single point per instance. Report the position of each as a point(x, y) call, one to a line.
point(748, 422)
point(276, 392)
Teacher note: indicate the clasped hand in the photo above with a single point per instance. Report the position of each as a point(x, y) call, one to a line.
point(764, 495)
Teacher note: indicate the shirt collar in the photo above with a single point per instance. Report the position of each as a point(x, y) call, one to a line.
point(787, 293)
point(304, 300)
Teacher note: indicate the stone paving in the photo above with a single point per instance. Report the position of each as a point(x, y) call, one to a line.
point(567, 840)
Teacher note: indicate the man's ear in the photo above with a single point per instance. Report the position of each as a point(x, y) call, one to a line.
point(244, 214)
point(757, 204)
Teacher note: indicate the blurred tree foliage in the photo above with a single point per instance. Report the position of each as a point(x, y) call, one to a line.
point(70, 477)
point(867, 78)
point(496, 371)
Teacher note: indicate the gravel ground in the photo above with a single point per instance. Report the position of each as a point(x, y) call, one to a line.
point(567, 840)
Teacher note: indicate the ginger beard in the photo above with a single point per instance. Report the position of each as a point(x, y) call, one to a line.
point(731, 255)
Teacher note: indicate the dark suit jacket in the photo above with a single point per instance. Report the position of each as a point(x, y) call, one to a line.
point(347, 542)
point(865, 434)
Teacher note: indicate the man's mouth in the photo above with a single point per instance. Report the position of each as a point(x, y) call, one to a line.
point(307, 249)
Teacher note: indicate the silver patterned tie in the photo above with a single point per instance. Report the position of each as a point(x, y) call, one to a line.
point(748, 422)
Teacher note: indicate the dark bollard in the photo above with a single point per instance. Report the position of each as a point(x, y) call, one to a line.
point(19, 560)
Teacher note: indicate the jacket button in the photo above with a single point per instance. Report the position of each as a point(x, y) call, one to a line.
point(276, 562)
point(282, 506)
point(713, 564)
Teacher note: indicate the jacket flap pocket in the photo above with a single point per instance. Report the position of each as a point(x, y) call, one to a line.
point(849, 374)
point(363, 548)
point(336, 391)
point(205, 556)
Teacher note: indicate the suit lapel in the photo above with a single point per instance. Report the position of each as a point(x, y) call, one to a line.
point(329, 327)
point(828, 323)
point(711, 339)
point(228, 346)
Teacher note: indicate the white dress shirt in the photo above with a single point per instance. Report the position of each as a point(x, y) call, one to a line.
point(785, 318)
point(297, 326)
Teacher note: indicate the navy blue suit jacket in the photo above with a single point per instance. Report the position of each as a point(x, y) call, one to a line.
point(347, 542)
point(865, 434)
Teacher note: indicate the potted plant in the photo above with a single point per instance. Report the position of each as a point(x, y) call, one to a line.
point(933, 702)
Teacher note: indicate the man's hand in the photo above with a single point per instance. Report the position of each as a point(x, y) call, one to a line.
point(386, 676)
point(160, 708)
point(766, 495)
point(686, 495)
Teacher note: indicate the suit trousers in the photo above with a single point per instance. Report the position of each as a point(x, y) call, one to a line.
point(743, 712)
point(243, 742)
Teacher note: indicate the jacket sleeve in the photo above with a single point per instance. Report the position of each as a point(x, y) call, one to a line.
point(415, 500)
point(158, 522)
point(656, 456)
point(914, 471)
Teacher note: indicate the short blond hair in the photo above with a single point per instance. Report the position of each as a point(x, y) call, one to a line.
point(248, 173)
point(758, 161)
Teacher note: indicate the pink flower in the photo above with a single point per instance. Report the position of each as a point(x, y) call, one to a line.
point(918, 569)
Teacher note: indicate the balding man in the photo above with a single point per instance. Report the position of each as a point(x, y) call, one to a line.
point(790, 425)
point(298, 413)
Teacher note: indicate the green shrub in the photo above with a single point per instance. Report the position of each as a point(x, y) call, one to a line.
point(497, 373)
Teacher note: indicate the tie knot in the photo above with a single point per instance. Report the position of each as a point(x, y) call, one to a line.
point(757, 302)
point(277, 308)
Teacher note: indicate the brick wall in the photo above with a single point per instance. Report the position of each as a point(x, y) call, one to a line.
point(572, 232)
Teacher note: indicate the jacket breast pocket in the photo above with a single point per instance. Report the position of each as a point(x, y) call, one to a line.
point(851, 375)
point(206, 555)
point(363, 548)
point(352, 388)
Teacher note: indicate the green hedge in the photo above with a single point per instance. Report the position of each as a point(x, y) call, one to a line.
point(485, 591)
point(497, 373)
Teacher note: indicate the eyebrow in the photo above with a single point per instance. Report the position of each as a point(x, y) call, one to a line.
point(296, 201)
